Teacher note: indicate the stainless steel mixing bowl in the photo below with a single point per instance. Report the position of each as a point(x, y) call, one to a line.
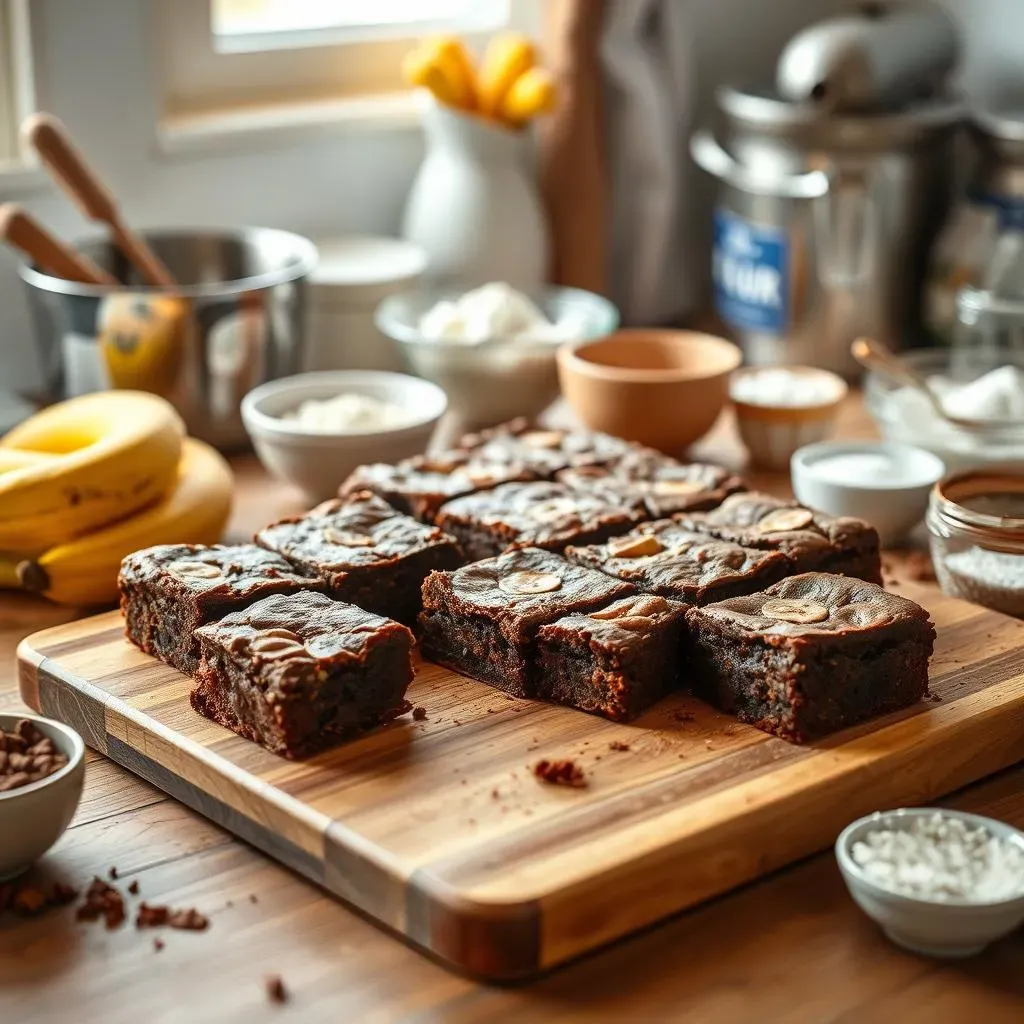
point(235, 320)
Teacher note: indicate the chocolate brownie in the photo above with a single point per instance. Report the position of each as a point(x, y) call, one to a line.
point(482, 620)
point(616, 661)
point(170, 590)
point(422, 484)
point(812, 541)
point(810, 655)
point(298, 673)
point(543, 515)
point(544, 450)
point(665, 558)
point(667, 485)
point(366, 553)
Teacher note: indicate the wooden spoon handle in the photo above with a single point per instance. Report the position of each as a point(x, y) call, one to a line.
point(50, 139)
point(17, 228)
point(873, 355)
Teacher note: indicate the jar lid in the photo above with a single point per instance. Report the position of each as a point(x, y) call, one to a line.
point(1000, 129)
point(986, 505)
point(361, 270)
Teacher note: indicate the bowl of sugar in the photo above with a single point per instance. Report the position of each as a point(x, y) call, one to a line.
point(883, 482)
point(939, 882)
point(781, 408)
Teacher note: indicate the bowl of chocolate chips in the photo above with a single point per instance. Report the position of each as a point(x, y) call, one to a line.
point(42, 768)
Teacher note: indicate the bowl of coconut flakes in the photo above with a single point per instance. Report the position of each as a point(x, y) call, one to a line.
point(939, 882)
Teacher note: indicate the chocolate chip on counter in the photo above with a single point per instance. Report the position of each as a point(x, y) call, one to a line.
point(134, 887)
point(113, 874)
point(158, 944)
point(419, 714)
point(276, 992)
point(619, 745)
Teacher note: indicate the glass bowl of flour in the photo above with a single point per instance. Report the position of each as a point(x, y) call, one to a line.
point(969, 386)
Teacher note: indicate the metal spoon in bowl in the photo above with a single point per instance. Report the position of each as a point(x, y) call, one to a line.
point(874, 355)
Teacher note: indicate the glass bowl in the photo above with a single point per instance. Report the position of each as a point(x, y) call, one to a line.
point(498, 379)
point(959, 449)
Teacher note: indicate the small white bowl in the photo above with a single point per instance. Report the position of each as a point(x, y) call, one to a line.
point(894, 502)
point(941, 928)
point(34, 817)
point(318, 462)
point(773, 432)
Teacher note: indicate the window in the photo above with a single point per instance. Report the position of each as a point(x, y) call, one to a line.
point(16, 94)
point(238, 55)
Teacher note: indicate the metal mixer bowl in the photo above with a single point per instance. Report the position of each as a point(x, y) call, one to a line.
point(236, 320)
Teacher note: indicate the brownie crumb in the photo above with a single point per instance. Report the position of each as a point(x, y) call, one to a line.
point(113, 874)
point(933, 697)
point(102, 900)
point(151, 917)
point(419, 714)
point(619, 745)
point(560, 773)
point(253, 898)
point(919, 567)
point(276, 992)
point(158, 944)
point(61, 894)
point(188, 920)
point(495, 795)
point(29, 901)
point(134, 888)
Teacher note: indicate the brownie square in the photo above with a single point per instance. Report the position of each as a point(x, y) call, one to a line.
point(810, 655)
point(812, 541)
point(665, 558)
point(666, 485)
point(169, 591)
point(543, 450)
point(421, 485)
point(616, 661)
point(298, 673)
point(366, 553)
point(482, 620)
point(542, 515)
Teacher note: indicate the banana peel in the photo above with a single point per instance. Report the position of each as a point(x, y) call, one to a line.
point(84, 571)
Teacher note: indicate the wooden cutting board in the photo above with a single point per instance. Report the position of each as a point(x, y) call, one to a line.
point(439, 830)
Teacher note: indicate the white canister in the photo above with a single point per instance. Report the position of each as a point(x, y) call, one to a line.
point(353, 276)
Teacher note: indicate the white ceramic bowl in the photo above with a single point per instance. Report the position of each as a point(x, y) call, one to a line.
point(318, 462)
point(498, 379)
point(34, 817)
point(770, 432)
point(946, 928)
point(893, 503)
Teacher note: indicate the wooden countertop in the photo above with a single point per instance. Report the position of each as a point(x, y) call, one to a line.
point(792, 947)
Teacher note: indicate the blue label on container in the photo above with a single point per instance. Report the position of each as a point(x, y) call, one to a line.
point(1009, 210)
point(750, 269)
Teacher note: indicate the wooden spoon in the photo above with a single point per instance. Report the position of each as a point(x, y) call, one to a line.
point(50, 139)
point(48, 253)
point(873, 355)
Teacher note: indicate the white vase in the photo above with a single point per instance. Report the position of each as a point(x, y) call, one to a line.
point(474, 206)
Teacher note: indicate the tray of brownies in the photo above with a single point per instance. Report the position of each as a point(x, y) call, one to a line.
point(521, 697)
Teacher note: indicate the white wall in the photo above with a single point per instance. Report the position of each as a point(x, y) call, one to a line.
point(97, 74)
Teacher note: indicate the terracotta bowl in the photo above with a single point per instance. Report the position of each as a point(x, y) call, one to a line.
point(661, 388)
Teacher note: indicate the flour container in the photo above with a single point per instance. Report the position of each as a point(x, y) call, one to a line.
point(824, 221)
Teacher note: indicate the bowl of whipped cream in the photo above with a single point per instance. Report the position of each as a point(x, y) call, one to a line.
point(492, 349)
point(969, 385)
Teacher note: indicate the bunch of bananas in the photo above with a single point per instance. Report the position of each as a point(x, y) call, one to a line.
point(88, 481)
point(508, 88)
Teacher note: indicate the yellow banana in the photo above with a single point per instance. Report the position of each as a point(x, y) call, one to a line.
point(531, 94)
point(118, 452)
point(443, 66)
point(84, 571)
point(508, 56)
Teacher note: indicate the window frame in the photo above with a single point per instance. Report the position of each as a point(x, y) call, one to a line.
point(198, 79)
